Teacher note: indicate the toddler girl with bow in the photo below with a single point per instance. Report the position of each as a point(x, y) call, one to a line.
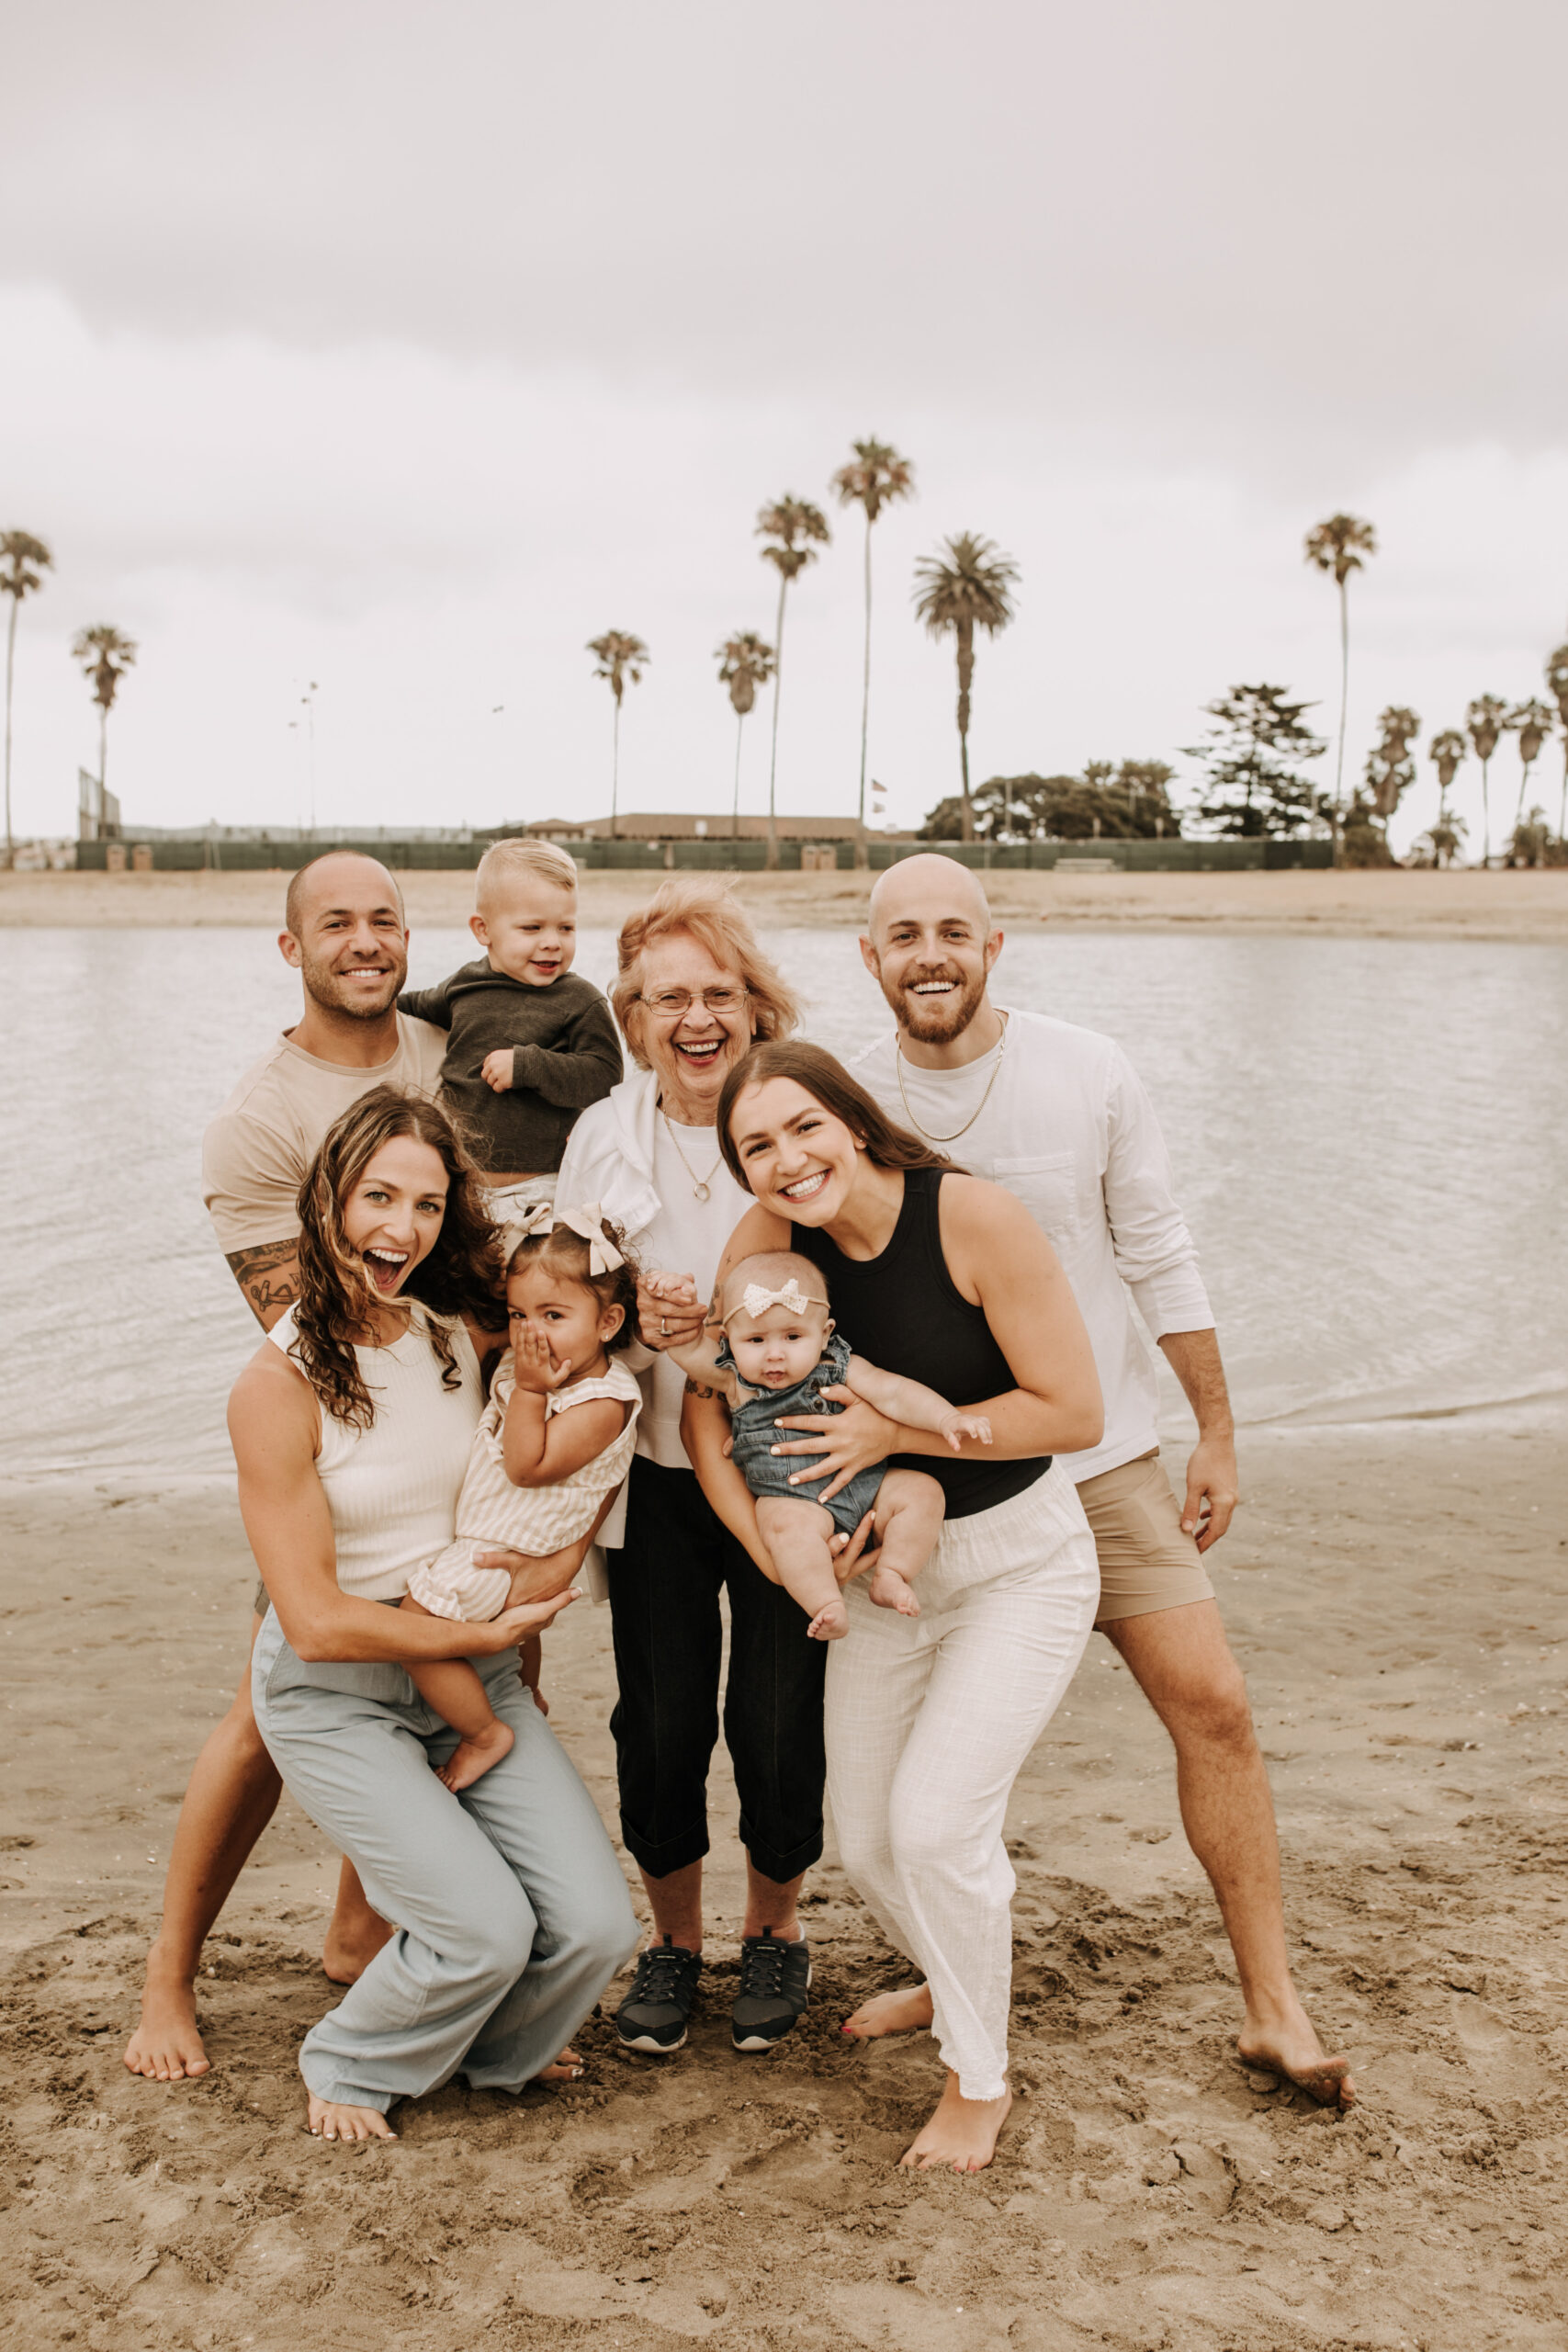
point(770, 1352)
point(554, 1441)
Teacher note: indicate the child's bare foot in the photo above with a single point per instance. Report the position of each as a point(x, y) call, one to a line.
point(908, 2011)
point(567, 2068)
point(962, 2132)
point(471, 1758)
point(329, 2120)
point(166, 2045)
point(830, 1624)
point(890, 1591)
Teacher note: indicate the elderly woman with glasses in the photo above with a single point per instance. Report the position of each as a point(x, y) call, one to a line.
point(693, 991)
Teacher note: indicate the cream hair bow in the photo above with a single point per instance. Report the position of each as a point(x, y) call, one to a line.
point(756, 1300)
point(587, 1223)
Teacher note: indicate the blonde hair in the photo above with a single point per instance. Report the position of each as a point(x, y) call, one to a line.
point(714, 917)
point(544, 861)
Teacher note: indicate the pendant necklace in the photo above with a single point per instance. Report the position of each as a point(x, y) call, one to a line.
point(699, 1183)
point(903, 1097)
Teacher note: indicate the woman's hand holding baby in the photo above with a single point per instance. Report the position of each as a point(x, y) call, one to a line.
point(843, 1443)
point(956, 1427)
point(513, 1626)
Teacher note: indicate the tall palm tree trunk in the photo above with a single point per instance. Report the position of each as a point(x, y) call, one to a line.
point(10, 668)
point(865, 683)
point(1485, 818)
point(965, 677)
point(735, 806)
point(773, 755)
point(1562, 805)
point(616, 773)
point(103, 746)
point(1337, 809)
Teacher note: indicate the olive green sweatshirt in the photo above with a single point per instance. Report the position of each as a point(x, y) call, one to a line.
point(565, 1055)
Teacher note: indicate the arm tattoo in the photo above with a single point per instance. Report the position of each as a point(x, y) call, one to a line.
point(695, 1388)
point(267, 1274)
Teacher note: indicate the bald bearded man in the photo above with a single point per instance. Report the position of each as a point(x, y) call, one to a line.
point(1057, 1114)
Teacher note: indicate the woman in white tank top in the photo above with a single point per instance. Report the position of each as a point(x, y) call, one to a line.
point(352, 1428)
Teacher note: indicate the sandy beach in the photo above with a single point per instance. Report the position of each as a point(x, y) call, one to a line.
point(1395, 1594)
point(1390, 904)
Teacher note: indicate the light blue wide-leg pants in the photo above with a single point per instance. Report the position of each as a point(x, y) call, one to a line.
point(512, 1913)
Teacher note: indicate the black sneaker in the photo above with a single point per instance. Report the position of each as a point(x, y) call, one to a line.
point(654, 2014)
point(774, 1979)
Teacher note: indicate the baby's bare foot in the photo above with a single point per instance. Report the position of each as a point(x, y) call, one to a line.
point(166, 2045)
point(962, 2133)
point(890, 1591)
point(830, 1624)
point(908, 2011)
point(331, 2120)
point(471, 1758)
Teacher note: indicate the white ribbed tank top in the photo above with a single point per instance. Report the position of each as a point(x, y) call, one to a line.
point(392, 1489)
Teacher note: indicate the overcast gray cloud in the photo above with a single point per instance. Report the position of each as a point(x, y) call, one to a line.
point(405, 347)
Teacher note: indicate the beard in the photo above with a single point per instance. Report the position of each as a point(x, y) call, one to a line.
point(324, 985)
point(936, 1020)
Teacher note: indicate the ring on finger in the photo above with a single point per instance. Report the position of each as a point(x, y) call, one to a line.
point(664, 1329)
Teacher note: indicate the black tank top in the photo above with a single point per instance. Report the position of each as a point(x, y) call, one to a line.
point(904, 1313)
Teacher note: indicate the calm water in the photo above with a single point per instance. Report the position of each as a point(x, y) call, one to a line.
point(1368, 1139)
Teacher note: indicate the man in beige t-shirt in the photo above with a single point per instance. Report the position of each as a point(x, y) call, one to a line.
point(345, 936)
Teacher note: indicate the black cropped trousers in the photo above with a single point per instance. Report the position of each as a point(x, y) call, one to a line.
point(665, 1583)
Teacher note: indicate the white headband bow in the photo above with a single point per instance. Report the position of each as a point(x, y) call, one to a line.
point(756, 1300)
point(587, 1223)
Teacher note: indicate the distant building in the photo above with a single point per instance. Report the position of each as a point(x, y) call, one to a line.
point(663, 825)
point(97, 812)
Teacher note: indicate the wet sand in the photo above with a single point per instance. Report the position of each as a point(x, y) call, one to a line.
point(1393, 905)
point(1397, 1596)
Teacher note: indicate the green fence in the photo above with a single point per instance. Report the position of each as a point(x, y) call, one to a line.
point(718, 854)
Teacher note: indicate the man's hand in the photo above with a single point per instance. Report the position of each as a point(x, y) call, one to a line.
point(668, 1312)
point(1212, 1495)
point(847, 1443)
point(497, 1068)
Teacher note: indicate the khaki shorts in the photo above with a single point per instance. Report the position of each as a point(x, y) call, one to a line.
point(1145, 1561)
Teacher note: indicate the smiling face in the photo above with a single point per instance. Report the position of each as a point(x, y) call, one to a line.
point(346, 936)
point(392, 1217)
point(931, 946)
point(693, 1052)
point(527, 925)
point(798, 1159)
point(569, 1316)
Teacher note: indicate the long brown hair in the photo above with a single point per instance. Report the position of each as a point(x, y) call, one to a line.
point(462, 1273)
point(824, 1075)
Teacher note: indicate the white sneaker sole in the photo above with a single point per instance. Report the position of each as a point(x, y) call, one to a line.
point(646, 2041)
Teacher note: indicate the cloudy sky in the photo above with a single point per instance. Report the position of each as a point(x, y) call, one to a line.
point(403, 348)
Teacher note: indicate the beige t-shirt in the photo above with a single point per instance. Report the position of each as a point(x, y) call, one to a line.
point(254, 1154)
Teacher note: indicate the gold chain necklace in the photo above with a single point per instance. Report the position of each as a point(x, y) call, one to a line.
point(903, 1097)
point(699, 1183)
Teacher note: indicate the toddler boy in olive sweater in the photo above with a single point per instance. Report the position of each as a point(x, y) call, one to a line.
point(531, 1043)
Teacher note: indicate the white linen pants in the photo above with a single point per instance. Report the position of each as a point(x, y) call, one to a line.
point(929, 1721)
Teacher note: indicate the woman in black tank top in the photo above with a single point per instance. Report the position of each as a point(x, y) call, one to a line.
point(932, 1274)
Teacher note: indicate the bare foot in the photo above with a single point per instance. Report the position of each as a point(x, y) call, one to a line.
point(890, 1591)
point(567, 2068)
point(329, 2121)
point(830, 1624)
point(905, 2012)
point(471, 1758)
point(166, 2045)
point(1291, 2047)
point(962, 2132)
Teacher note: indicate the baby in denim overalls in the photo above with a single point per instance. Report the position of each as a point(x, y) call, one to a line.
point(772, 1352)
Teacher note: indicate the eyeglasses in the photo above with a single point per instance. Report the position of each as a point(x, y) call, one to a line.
point(669, 1004)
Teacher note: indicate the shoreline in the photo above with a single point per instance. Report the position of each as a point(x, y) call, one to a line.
point(1395, 1596)
point(1393, 903)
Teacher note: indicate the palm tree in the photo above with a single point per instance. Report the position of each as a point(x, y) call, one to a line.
point(877, 477)
point(1484, 722)
point(799, 528)
point(620, 657)
point(22, 562)
point(967, 588)
point(1339, 545)
point(105, 656)
point(1447, 753)
point(1557, 679)
point(1531, 721)
point(745, 663)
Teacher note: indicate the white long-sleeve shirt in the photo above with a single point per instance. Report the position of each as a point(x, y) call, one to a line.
point(1068, 1128)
